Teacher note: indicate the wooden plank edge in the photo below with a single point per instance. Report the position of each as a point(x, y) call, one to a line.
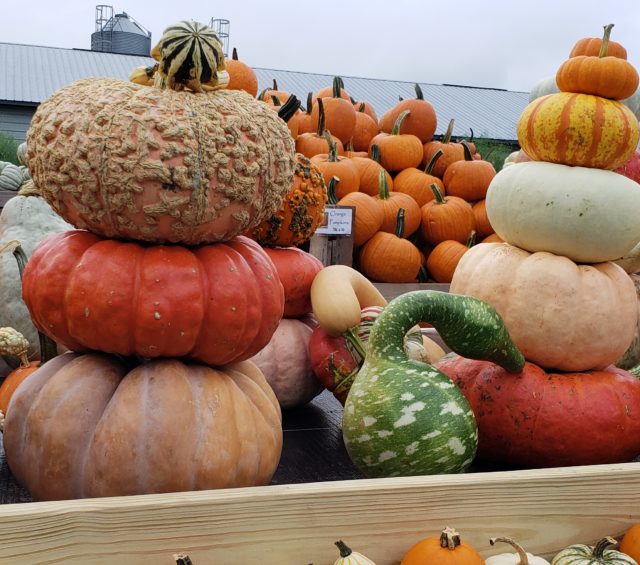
point(544, 510)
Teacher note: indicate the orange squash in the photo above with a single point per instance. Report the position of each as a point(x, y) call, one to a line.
point(398, 151)
point(241, 75)
point(445, 218)
point(630, 542)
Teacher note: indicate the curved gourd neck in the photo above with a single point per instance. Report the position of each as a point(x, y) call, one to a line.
point(469, 326)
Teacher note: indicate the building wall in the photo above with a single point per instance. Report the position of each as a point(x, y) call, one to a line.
point(14, 119)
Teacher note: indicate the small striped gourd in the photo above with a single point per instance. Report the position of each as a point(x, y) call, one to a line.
point(581, 554)
point(349, 557)
point(404, 417)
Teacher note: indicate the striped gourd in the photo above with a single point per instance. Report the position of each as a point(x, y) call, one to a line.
point(12, 177)
point(190, 53)
point(349, 557)
point(578, 129)
point(581, 554)
point(403, 417)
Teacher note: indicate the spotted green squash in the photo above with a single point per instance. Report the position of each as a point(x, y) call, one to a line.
point(404, 417)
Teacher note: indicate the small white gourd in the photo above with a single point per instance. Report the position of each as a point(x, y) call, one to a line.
point(519, 558)
point(349, 557)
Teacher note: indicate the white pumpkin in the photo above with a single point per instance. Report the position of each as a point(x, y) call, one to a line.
point(561, 315)
point(286, 364)
point(589, 215)
point(27, 219)
point(521, 557)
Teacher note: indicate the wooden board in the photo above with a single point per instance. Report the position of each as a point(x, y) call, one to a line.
point(297, 524)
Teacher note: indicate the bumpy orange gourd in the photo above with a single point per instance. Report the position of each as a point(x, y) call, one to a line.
point(158, 164)
point(159, 426)
point(578, 130)
point(445, 549)
point(301, 211)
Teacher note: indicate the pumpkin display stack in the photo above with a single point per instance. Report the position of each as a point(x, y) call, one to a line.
point(156, 293)
point(564, 216)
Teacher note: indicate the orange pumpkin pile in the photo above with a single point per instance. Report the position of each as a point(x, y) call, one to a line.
point(348, 143)
point(568, 307)
point(157, 295)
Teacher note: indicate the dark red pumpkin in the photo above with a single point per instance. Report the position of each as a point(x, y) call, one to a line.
point(216, 303)
point(542, 419)
point(296, 270)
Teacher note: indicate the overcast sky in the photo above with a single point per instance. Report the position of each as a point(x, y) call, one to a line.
point(493, 43)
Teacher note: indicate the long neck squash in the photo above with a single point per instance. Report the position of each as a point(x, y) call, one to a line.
point(403, 417)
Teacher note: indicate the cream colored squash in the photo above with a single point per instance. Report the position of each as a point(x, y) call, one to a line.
point(27, 219)
point(521, 557)
point(560, 315)
point(589, 215)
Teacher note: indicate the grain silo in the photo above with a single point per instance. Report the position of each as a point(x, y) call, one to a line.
point(119, 33)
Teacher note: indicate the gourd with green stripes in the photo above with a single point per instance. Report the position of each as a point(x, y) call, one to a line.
point(581, 554)
point(403, 417)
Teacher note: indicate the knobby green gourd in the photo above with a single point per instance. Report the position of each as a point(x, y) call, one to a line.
point(404, 417)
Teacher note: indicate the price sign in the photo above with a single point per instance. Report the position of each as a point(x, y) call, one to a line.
point(338, 221)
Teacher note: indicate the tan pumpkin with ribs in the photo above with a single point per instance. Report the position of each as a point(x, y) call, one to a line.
point(560, 314)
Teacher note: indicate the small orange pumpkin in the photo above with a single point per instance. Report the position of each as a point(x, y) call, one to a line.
point(601, 75)
point(421, 122)
point(416, 182)
point(630, 542)
point(468, 179)
point(483, 225)
point(365, 130)
point(368, 216)
point(451, 152)
point(446, 549)
point(398, 151)
point(389, 257)
point(391, 202)
point(241, 75)
point(332, 165)
point(369, 169)
point(311, 144)
point(267, 93)
point(446, 218)
point(591, 46)
point(339, 113)
point(444, 258)
point(13, 343)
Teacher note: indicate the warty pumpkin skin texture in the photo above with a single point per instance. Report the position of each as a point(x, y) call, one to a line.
point(539, 418)
point(138, 162)
point(579, 130)
point(162, 426)
point(216, 303)
point(586, 214)
point(561, 315)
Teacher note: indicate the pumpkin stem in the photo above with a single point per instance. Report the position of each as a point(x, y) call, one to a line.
point(234, 54)
point(375, 153)
point(432, 162)
point(48, 347)
point(396, 126)
point(361, 107)
point(468, 156)
point(338, 85)
point(471, 138)
point(604, 47)
point(345, 551)
point(423, 275)
point(333, 147)
point(449, 538)
point(400, 223)
point(309, 102)
point(289, 108)
point(352, 338)
point(320, 130)
point(598, 549)
point(471, 240)
point(275, 100)
point(437, 193)
point(524, 560)
point(419, 93)
point(383, 190)
point(332, 197)
point(182, 559)
point(446, 138)
point(275, 85)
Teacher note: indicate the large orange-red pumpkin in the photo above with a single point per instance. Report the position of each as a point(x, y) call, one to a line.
point(545, 419)
point(92, 425)
point(216, 303)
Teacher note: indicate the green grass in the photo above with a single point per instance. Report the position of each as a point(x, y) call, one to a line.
point(494, 151)
point(8, 148)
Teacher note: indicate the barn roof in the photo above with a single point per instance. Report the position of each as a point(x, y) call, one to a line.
point(31, 73)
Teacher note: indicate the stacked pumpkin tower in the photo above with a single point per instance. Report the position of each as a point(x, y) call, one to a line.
point(565, 217)
point(157, 294)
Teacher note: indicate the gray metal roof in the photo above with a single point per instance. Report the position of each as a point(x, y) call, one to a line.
point(30, 73)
